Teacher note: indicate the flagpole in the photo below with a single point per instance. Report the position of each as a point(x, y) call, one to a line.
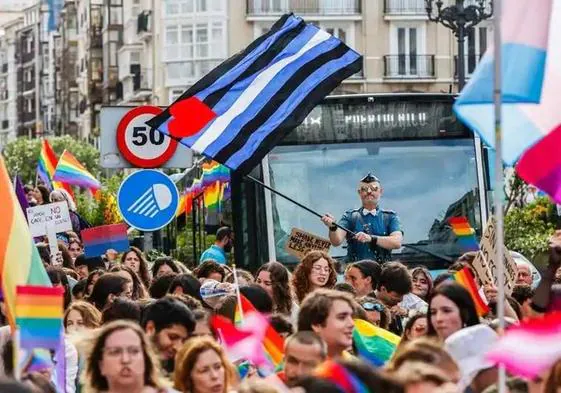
point(238, 294)
point(499, 179)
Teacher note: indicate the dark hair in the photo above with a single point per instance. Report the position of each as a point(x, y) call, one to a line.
point(44, 253)
point(441, 278)
point(368, 268)
point(188, 283)
point(344, 287)
point(79, 287)
point(409, 325)
point(395, 278)
point(8, 359)
point(167, 311)
point(45, 193)
point(57, 277)
point(515, 306)
point(461, 298)
point(258, 297)
point(92, 263)
point(12, 386)
point(315, 308)
point(121, 309)
point(143, 271)
point(160, 285)
point(425, 272)
point(280, 281)
point(522, 292)
point(138, 289)
point(159, 262)
point(66, 258)
point(226, 307)
point(222, 233)
point(385, 316)
point(308, 337)
point(191, 303)
point(281, 324)
point(91, 275)
point(107, 284)
point(205, 269)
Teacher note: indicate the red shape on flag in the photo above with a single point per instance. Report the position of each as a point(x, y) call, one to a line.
point(189, 117)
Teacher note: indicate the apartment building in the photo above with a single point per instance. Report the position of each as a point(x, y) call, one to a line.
point(8, 80)
point(112, 33)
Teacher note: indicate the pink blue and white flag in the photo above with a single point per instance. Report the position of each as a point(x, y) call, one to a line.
point(531, 79)
point(529, 349)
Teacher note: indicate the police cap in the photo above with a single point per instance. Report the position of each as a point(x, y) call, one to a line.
point(369, 178)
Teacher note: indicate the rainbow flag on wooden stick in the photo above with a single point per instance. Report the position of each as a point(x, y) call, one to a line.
point(465, 278)
point(39, 312)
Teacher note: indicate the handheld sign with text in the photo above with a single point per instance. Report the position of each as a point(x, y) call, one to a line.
point(48, 220)
point(100, 239)
point(487, 259)
point(301, 242)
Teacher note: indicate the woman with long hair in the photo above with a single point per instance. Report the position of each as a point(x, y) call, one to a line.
point(41, 194)
point(317, 270)
point(164, 265)
point(451, 308)
point(274, 278)
point(202, 367)
point(138, 289)
point(363, 276)
point(108, 287)
point(134, 258)
point(91, 280)
point(80, 316)
point(422, 282)
point(121, 359)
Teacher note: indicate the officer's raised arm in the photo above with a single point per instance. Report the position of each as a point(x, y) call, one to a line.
point(336, 235)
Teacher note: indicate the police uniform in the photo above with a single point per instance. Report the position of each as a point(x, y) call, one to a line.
point(380, 222)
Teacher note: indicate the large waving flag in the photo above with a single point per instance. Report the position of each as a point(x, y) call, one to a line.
point(374, 343)
point(20, 263)
point(240, 110)
point(46, 168)
point(70, 171)
point(531, 79)
point(529, 349)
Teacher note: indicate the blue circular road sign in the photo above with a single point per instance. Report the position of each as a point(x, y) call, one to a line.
point(148, 200)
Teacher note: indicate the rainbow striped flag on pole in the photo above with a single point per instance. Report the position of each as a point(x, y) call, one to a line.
point(465, 278)
point(20, 263)
point(71, 171)
point(46, 168)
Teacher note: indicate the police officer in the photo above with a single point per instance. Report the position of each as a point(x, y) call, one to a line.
point(378, 231)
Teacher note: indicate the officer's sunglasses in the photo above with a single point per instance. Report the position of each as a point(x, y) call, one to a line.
point(366, 189)
point(369, 306)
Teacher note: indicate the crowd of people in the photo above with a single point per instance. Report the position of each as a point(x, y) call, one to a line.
point(134, 325)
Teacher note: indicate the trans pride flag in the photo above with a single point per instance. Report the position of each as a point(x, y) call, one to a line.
point(531, 76)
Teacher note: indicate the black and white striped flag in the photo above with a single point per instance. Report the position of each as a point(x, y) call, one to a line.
point(240, 110)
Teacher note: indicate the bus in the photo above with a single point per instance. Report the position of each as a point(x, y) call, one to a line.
point(431, 168)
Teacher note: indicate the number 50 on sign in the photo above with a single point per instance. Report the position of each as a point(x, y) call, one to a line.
point(142, 146)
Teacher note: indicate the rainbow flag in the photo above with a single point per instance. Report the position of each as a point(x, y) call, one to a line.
point(212, 195)
point(531, 348)
point(213, 172)
point(465, 233)
point(465, 278)
point(20, 263)
point(70, 171)
point(374, 343)
point(46, 168)
point(39, 312)
point(273, 343)
point(346, 381)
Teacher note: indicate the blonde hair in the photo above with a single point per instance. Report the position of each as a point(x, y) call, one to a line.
point(187, 357)
point(95, 381)
point(414, 372)
point(90, 314)
point(426, 350)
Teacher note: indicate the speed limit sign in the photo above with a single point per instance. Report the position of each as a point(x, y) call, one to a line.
point(141, 145)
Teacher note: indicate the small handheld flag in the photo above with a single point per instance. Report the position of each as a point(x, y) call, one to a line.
point(465, 233)
point(241, 109)
point(465, 278)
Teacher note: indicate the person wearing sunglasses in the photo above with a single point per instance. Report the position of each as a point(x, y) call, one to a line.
point(376, 313)
point(376, 231)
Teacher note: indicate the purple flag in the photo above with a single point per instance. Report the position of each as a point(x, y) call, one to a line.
point(20, 193)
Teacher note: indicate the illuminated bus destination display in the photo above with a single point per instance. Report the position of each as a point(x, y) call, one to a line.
point(379, 118)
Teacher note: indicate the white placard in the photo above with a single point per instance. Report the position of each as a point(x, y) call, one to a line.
point(54, 216)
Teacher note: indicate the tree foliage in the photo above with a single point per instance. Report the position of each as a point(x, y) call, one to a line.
point(529, 227)
point(22, 155)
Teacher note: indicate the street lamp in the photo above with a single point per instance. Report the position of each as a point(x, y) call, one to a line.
point(459, 18)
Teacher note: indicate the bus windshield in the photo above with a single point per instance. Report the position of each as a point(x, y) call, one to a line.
point(424, 181)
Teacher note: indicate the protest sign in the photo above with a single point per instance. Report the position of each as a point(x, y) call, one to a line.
point(486, 259)
point(48, 220)
point(301, 242)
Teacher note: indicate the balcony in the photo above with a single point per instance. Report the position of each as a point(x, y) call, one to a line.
point(405, 8)
point(409, 67)
point(264, 8)
point(144, 25)
point(470, 63)
point(5, 124)
point(142, 84)
point(96, 38)
point(4, 68)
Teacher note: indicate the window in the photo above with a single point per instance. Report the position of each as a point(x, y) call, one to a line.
point(175, 93)
point(476, 45)
point(202, 40)
point(172, 8)
point(135, 57)
point(407, 52)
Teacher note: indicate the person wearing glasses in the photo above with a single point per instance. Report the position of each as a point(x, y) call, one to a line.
point(376, 313)
point(317, 270)
point(377, 231)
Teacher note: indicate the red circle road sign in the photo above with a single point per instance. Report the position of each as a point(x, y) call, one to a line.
point(142, 146)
